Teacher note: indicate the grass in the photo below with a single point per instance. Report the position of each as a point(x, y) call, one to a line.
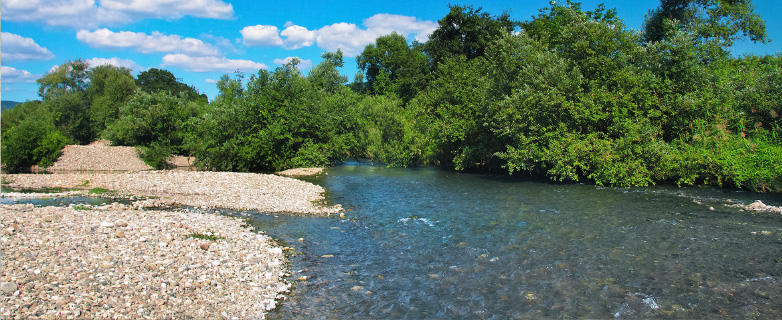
point(82, 207)
point(209, 237)
point(99, 191)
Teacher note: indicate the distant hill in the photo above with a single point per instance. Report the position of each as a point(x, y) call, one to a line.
point(8, 104)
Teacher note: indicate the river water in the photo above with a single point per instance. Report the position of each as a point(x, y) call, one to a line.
point(425, 243)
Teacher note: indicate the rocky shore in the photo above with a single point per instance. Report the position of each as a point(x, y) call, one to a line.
point(113, 262)
point(229, 190)
point(131, 261)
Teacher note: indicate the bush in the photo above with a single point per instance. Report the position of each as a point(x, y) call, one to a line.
point(30, 139)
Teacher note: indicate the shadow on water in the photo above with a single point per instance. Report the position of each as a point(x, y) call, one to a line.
point(424, 243)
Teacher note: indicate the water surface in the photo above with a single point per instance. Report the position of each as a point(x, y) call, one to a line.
point(424, 243)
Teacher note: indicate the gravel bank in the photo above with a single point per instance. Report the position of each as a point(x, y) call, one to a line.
point(239, 191)
point(301, 172)
point(98, 156)
point(115, 262)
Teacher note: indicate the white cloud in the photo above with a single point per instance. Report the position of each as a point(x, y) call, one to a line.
point(345, 36)
point(303, 64)
point(93, 14)
point(117, 62)
point(210, 81)
point(297, 37)
point(13, 75)
point(384, 23)
point(18, 48)
point(352, 39)
point(168, 9)
point(209, 64)
point(260, 35)
point(141, 42)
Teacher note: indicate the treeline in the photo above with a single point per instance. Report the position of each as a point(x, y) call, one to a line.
point(570, 94)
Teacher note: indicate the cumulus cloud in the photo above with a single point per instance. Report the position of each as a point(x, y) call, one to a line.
point(303, 64)
point(209, 64)
point(144, 43)
point(18, 48)
point(261, 35)
point(117, 62)
point(352, 39)
point(214, 9)
point(386, 23)
point(297, 37)
point(94, 14)
point(348, 37)
point(13, 75)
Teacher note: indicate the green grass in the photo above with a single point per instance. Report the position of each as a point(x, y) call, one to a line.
point(82, 207)
point(205, 236)
point(99, 191)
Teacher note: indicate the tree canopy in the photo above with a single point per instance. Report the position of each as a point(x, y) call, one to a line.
point(708, 20)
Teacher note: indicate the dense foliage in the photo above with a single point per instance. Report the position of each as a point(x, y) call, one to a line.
point(569, 94)
point(81, 104)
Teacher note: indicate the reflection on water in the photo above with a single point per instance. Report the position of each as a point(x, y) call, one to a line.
point(423, 243)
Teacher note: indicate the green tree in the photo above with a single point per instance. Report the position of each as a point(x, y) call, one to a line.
point(466, 31)
point(110, 88)
point(158, 80)
point(392, 66)
point(63, 91)
point(29, 137)
point(326, 76)
point(723, 21)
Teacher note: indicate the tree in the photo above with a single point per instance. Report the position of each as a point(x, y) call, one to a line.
point(708, 20)
point(391, 65)
point(63, 91)
point(110, 88)
point(466, 31)
point(156, 80)
point(29, 137)
point(69, 77)
point(326, 76)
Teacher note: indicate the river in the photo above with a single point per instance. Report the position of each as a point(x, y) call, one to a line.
point(425, 243)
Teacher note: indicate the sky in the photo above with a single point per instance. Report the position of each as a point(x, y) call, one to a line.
point(201, 40)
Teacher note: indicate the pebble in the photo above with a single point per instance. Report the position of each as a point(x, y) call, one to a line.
point(208, 190)
point(69, 265)
point(8, 287)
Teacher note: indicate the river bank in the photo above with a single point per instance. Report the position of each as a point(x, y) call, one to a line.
point(132, 261)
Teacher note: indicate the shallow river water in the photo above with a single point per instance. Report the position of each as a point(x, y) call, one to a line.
point(425, 243)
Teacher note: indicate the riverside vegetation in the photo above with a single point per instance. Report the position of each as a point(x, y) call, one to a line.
point(570, 94)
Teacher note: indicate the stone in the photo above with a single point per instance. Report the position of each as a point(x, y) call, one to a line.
point(8, 288)
point(119, 234)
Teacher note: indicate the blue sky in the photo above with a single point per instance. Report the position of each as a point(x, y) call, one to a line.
point(200, 40)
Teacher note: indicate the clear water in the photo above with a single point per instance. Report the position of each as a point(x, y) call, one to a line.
point(424, 243)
